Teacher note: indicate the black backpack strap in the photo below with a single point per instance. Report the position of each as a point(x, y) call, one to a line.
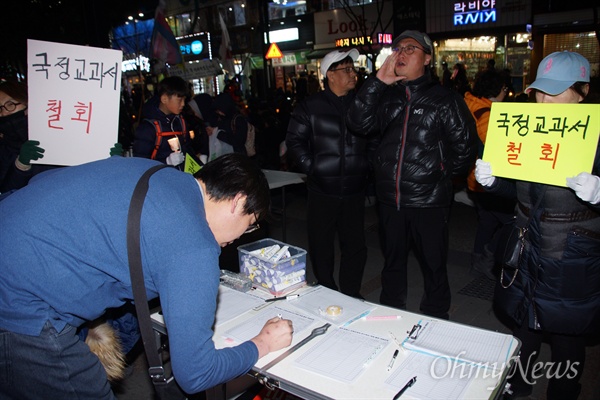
point(134, 255)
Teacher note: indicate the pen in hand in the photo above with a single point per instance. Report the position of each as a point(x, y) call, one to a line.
point(391, 364)
point(408, 384)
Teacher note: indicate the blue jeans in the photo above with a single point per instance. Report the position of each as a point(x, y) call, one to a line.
point(50, 366)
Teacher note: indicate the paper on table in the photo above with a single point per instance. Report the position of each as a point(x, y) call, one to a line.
point(429, 371)
point(342, 354)
point(251, 327)
point(316, 302)
point(233, 303)
point(460, 342)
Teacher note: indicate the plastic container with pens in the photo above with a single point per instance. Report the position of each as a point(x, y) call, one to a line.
point(273, 265)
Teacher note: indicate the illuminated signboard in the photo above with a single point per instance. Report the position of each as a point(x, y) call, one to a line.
point(194, 47)
point(474, 12)
point(353, 41)
point(385, 38)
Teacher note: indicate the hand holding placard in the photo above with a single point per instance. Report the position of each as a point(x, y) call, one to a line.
point(586, 187)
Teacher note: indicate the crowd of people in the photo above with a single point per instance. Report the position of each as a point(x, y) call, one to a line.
point(412, 135)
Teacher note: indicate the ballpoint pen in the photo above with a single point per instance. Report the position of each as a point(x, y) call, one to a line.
point(408, 384)
point(290, 297)
point(391, 364)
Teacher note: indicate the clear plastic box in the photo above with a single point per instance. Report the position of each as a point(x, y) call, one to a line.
point(278, 276)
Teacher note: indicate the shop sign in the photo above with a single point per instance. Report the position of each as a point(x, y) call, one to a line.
point(141, 63)
point(474, 12)
point(330, 26)
point(353, 41)
point(290, 59)
point(452, 15)
point(385, 38)
point(194, 47)
point(195, 70)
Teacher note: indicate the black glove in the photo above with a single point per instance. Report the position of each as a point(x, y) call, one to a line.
point(116, 150)
point(30, 151)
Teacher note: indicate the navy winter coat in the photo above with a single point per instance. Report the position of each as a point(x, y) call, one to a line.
point(557, 287)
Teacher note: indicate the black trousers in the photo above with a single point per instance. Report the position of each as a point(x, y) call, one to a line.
point(425, 230)
point(492, 213)
point(326, 216)
point(564, 371)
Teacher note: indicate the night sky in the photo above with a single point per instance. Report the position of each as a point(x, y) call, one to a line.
point(81, 22)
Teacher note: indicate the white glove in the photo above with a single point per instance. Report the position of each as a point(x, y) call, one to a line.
point(175, 158)
point(483, 173)
point(586, 187)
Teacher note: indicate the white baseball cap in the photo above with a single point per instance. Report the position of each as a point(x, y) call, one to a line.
point(336, 56)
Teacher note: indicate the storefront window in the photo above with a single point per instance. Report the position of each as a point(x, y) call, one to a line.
point(473, 53)
point(234, 13)
point(283, 8)
point(584, 43)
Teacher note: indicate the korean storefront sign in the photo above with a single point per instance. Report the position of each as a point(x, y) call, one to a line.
point(473, 12)
point(544, 143)
point(197, 69)
point(335, 25)
point(466, 15)
point(74, 97)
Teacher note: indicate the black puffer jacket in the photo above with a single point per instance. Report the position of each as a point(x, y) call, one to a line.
point(320, 146)
point(428, 136)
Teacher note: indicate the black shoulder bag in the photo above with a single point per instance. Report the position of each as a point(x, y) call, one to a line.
point(165, 388)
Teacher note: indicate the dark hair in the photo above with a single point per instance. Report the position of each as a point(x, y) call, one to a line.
point(346, 60)
point(234, 173)
point(578, 88)
point(173, 85)
point(488, 83)
point(16, 90)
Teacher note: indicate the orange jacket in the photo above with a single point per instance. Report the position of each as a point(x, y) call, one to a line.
point(480, 108)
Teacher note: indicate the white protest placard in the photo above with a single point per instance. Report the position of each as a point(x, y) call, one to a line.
point(74, 98)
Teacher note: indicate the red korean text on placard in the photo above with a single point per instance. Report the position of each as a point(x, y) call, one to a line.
point(513, 151)
point(54, 112)
point(84, 114)
point(550, 153)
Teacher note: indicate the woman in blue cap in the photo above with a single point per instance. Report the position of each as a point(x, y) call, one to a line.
point(554, 294)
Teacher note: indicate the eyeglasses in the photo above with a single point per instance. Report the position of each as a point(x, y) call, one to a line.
point(407, 49)
point(252, 228)
point(347, 70)
point(9, 106)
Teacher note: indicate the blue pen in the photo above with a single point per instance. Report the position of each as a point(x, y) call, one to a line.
point(357, 318)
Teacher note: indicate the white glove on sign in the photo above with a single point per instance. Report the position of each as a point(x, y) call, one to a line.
point(175, 158)
point(586, 187)
point(483, 173)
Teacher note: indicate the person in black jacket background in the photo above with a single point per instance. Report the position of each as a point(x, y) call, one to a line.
point(427, 137)
point(337, 167)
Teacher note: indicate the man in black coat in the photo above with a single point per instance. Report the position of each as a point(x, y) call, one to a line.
point(427, 137)
point(335, 161)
